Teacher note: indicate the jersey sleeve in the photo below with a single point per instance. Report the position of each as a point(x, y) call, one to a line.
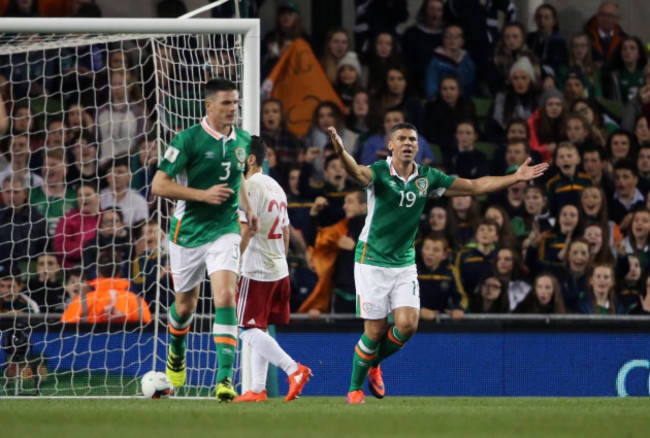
point(373, 168)
point(255, 197)
point(176, 156)
point(439, 182)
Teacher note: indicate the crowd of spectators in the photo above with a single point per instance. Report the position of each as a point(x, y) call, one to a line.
point(77, 210)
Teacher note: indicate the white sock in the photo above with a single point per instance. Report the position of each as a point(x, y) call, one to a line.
point(269, 349)
point(259, 368)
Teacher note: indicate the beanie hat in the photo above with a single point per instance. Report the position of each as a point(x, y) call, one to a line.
point(576, 73)
point(523, 64)
point(352, 60)
point(288, 7)
point(548, 94)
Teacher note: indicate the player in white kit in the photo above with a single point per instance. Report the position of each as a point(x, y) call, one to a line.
point(264, 287)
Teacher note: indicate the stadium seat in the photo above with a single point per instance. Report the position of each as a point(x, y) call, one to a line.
point(482, 106)
point(437, 152)
point(487, 148)
point(615, 107)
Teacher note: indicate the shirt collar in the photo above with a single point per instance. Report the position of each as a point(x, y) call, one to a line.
point(603, 34)
point(216, 134)
point(393, 172)
point(637, 197)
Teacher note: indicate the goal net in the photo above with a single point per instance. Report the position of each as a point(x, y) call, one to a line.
point(84, 279)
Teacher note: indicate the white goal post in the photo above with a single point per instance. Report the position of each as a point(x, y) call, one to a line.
point(99, 358)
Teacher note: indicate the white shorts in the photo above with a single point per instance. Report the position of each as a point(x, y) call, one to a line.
point(189, 265)
point(381, 290)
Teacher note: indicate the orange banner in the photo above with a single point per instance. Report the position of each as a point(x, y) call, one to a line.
point(301, 84)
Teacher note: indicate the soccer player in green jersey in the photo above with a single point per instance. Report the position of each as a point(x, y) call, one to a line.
point(203, 170)
point(384, 273)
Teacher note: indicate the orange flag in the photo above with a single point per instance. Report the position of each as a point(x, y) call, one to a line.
point(298, 80)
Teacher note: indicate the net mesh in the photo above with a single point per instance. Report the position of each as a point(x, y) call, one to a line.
point(87, 118)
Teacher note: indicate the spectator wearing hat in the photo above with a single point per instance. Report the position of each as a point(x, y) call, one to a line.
point(605, 33)
point(12, 298)
point(518, 100)
point(547, 124)
point(575, 86)
point(348, 79)
point(288, 27)
point(451, 59)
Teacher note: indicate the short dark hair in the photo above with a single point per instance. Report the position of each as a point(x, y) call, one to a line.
point(90, 184)
point(519, 140)
point(329, 159)
point(488, 222)
point(257, 149)
point(594, 148)
point(75, 272)
point(437, 236)
point(116, 210)
point(11, 270)
point(213, 86)
point(108, 264)
point(119, 162)
point(361, 195)
point(402, 125)
point(626, 164)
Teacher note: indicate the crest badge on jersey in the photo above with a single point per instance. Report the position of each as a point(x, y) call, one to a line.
point(422, 184)
point(240, 153)
point(367, 307)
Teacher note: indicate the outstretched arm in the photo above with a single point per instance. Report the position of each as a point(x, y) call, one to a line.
point(361, 174)
point(488, 184)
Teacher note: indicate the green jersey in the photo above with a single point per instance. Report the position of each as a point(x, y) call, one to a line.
point(394, 209)
point(201, 157)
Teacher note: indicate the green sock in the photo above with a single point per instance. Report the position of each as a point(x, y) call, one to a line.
point(364, 354)
point(178, 328)
point(389, 345)
point(224, 332)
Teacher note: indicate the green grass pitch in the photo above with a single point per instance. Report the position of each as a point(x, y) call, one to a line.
point(326, 417)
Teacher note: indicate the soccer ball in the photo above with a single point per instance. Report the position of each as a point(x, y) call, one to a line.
point(155, 384)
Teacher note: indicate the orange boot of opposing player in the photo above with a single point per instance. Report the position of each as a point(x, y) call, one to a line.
point(251, 396)
point(297, 381)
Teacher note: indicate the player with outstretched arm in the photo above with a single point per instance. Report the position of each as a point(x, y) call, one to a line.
point(384, 273)
point(203, 170)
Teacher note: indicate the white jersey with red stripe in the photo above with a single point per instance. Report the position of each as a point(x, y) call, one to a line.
point(264, 258)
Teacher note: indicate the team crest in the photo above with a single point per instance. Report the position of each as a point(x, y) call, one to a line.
point(422, 184)
point(240, 153)
point(367, 307)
